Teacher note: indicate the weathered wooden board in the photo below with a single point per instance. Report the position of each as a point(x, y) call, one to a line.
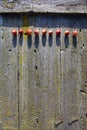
point(39, 78)
point(70, 78)
point(62, 6)
point(83, 87)
point(8, 76)
point(51, 71)
point(43, 79)
point(73, 71)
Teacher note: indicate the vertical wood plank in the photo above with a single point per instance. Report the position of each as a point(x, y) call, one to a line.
point(50, 75)
point(8, 76)
point(70, 78)
point(39, 70)
point(23, 75)
point(83, 88)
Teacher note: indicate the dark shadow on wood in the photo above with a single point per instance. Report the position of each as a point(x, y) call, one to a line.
point(75, 41)
point(14, 41)
point(36, 41)
point(20, 40)
point(50, 20)
point(29, 41)
point(11, 20)
point(44, 40)
point(58, 42)
point(35, 51)
point(86, 115)
point(50, 40)
point(66, 41)
point(36, 67)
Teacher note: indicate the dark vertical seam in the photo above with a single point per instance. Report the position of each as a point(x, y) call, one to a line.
point(60, 70)
point(18, 88)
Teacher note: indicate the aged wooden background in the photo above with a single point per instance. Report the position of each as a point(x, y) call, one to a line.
point(68, 6)
point(43, 80)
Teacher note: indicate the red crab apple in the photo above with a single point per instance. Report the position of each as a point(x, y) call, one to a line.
point(29, 32)
point(67, 32)
point(14, 32)
point(75, 33)
point(58, 32)
point(50, 32)
point(36, 32)
point(20, 31)
point(44, 31)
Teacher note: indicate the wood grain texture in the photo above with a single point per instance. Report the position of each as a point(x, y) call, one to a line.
point(8, 78)
point(39, 88)
point(51, 74)
point(83, 88)
point(43, 79)
point(70, 77)
point(55, 6)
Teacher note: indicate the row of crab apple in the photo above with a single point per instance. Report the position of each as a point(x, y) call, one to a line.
point(44, 31)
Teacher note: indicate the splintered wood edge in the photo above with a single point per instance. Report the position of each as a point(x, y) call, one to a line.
point(34, 8)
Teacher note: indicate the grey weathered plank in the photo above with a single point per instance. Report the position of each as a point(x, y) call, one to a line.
point(46, 2)
point(25, 77)
point(73, 71)
point(8, 77)
point(50, 99)
point(70, 78)
point(39, 69)
point(54, 6)
point(83, 88)
point(43, 85)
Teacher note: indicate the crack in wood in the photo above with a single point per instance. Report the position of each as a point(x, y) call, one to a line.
point(83, 91)
point(72, 122)
point(58, 123)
